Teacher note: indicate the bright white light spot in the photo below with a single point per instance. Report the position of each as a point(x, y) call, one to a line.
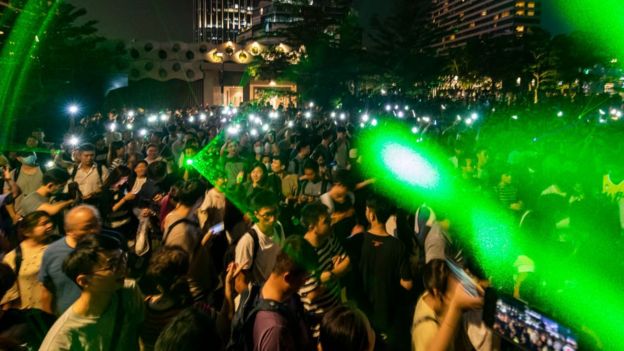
point(459, 118)
point(365, 117)
point(152, 119)
point(396, 107)
point(253, 132)
point(388, 107)
point(343, 116)
point(164, 117)
point(290, 124)
point(191, 119)
point(311, 104)
point(374, 122)
point(129, 126)
point(443, 107)
point(426, 119)
point(50, 164)
point(308, 114)
point(143, 132)
point(406, 108)
point(469, 121)
point(332, 115)
point(602, 112)
point(514, 117)
point(265, 127)
point(408, 166)
point(73, 109)
point(112, 127)
point(361, 125)
point(130, 113)
point(202, 116)
point(474, 116)
point(414, 130)
point(400, 114)
point(74, 140)
point(560, 114)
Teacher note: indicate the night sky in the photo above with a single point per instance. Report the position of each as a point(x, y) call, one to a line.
point(165, 20)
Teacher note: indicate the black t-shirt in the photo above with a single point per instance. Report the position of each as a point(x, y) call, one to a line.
point(379, 263)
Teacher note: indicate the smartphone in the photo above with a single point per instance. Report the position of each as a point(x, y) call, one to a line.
point(469, 285)
point(217, 228)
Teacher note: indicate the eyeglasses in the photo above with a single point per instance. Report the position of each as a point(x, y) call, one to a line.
point(115, 263)
point(269, 214)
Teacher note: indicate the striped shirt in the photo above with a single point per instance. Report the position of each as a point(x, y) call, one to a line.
point(330, 295)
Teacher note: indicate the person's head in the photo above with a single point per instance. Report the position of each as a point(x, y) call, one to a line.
point(277, 165)
point(315, 218)
point(27, 158)
point(152, 151)
point(343, 183)
point(189, 192)
point(140, 170)
point(327, 136)
point(155, 138)
point(117, 177)
point(341, 133)
point(378, 209)
point(266, 161)
point(81, 221)
point(36, 226)
point(258, 147)
point(345, 328)
point(506, 177)
point(86, 154)
point(190, 330)
point(157, 170)
point(118, 149)
point(483, 156)
point(264, 206)
point(97, 264)
point(232, 148)
point(436, 276)
point(303, 148)
point(167, 270)
point(310, 169)
point(32, 142)
point(54, 180)
point(257, 174)
point(294, 263)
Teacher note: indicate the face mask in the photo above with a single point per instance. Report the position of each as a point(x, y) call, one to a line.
point(267, 165)
point(30, 160)
point(258, 149)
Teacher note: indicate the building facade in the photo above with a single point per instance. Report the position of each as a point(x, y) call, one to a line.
point(462, 20)
point(220, 21)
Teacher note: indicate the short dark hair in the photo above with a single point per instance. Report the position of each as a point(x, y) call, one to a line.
point(151, 145)
point(341, 129)
point(157, 170)
point(296, 256)
point(190, 192)
point(302, 144)
point(167, 269)
point(85, 257)
point(86, 147)
point(380, 206)
point(327, 134)
point(344, 328)
point(56, 176)
point(311, 213)
point(311, 164)
point(190, 330)
point(262, 200)
point(344, 178)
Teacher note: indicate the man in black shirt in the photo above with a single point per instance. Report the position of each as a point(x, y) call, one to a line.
point(381, 273)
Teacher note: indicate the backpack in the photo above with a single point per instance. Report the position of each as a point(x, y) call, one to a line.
point(241, 337)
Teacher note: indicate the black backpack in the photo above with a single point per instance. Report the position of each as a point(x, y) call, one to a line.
point(241, 337)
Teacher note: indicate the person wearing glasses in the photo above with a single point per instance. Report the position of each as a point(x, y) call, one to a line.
point(109, 310)
point(257, 249)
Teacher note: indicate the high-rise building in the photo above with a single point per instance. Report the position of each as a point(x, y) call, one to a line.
point(220, 21)
point(462, 20)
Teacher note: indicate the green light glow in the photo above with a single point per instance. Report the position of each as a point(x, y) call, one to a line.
point(17, 57)
point(601, 18)
point(584, 291)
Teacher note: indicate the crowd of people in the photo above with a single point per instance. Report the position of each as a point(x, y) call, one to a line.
point(260, 229)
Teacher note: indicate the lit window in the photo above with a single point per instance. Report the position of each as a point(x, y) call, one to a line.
point(531, 13)
point(520, 12)
point(484, 13)
point(496, 17)
point(472, 25)
point(505, 14)
point(520, 4)
point(531, 5)
point(519, 29)
point(452, 37)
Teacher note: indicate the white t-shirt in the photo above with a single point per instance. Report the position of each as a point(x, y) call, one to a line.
point(264, 259)
point(74, 332)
